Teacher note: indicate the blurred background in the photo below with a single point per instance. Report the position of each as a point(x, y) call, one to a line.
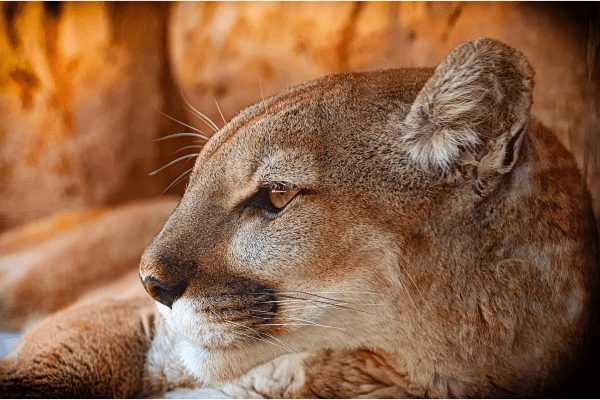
point(85, 87)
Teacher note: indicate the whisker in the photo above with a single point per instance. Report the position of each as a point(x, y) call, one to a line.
point(262, 340)
point(218, 316)
point(306, 293)
point(416, 309)
point(179, 135)
point(254, 337)
point(298, 308)
point(289, 317)
point(292, 350)
point(313, 323)
point(265, 312)
point(219, 108)
point(293, 301)
point(186, 125)
point(203, 117)
point(322, 302)
point(243, 334)
point(277, 293)
point(338, 299)
point(236, 185)
point(308, 324)
point(288, 346)
point(178, 179)
point(414, 284)
point(188, 147)
point(248, 336)
point(266, 112)
point(173, 162)
point(344, 291)
point(317, 301)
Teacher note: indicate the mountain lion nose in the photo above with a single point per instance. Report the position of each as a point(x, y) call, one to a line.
point(162, 292)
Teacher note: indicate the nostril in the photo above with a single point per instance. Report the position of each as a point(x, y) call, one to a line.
point(161, 292)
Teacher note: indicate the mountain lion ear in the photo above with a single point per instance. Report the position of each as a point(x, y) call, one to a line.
point(478, 101)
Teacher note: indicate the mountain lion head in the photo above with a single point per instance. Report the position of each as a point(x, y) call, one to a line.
point(422, 213)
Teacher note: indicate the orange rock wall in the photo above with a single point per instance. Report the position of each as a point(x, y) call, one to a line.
point(82, 85)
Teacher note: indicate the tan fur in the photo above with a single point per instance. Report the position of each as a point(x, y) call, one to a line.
point(441, 245)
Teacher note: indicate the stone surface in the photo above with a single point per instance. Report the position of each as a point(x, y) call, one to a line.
point(47, 265)
point(80, 86)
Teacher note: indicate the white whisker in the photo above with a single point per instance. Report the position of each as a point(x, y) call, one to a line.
point(184, 124)
point(416, 309)
point(177, 180)
point(266, 112)
point(203, 117)
point(243, 334)
point(296, 308)
point(188, 147)
point(179, 135)
point(262, 340)
point(414, 284)
point(293, 350)
point(173, 162)
point(297, 301)
point(219, 108)
point(310, 324)
point(335, 292)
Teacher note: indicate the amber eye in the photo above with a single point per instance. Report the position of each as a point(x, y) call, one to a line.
point(280, 197)
point(272, 199)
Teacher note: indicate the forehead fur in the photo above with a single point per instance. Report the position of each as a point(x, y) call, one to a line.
point(304, 127)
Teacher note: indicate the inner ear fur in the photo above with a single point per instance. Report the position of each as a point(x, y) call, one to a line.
point(476, 104)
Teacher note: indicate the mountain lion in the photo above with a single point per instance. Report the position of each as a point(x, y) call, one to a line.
point(398, 233)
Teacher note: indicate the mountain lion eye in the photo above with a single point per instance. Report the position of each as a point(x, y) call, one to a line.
point(272, 199)
point(281, 196)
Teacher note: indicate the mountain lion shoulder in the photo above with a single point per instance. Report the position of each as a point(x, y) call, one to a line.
point(407, 232)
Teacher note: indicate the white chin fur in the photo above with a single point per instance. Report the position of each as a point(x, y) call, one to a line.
point(209, 351)
point(213, 352)
point(219, 365)
point(164, 310)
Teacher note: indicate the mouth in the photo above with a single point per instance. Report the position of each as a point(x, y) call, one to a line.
point(268, 319)
point(214, 347)
point(221, 344)
point(221, 329)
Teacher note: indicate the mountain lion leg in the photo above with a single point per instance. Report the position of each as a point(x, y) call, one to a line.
point(96, 350)
point(323, 374)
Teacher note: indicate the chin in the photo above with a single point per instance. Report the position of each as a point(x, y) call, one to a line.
point(212, 353)
point(223, 364)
